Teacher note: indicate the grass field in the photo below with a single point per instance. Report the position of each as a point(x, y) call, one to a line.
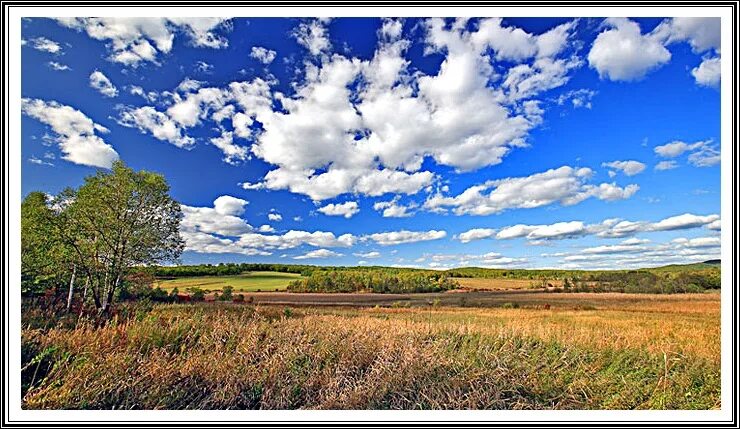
point(248, 282)
point(586, 351)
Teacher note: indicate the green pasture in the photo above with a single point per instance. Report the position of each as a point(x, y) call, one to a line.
point(255, 281)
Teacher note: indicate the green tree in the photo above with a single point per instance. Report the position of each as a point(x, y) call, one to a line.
point(41, 249)
point(119, 220)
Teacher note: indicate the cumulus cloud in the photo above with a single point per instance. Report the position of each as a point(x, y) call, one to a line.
point(132, 41)
point(348, 209)
point(58, 66)
point(476, 234)
point(609, 228)
point(666, 165)
point(46, 45)
point(102, 84)
point(76, 134)
point(366, 126)
point(263, 55)
point(556, 231)
point(221, 229)
point(319, 254)
point(564, 185)
point(275, 217)
point(630, 168)
point(703, 153)
point(229, 206)
point(368, 255)
point(403, 236)
point(394, 209)
point(313, 36)
point(702, 33)
point(622, 52)
point(641, 253)
point(708, 72)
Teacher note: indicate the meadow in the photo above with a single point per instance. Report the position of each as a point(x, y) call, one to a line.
point(247, 282)
point(531, 351)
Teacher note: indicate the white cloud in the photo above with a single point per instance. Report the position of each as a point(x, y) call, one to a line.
point(393, 208)
point(135, 40)
point(319, 254)
point(715, 225)
point(313, 36)
point(58, 66)
point(666, 165)
point(368, 255)
point(46, 45)
point(403, 236)
point(684, 221)
point(702, 33)
point(609, 228)
point(161, 126)
point(348, 209)
point(677, 148)
point(630, 168)
point(366, 126)
point(476, 234)
point(623, 53)
point(102, 84)
point(75, 132)
point(556, 231)
point(703, 153)
point(578, 98)
point(38, 161)
point(220, 229)
point(223, 219)
point(275, 217)
point(233, 153)
point(263, 55)
point(708, 72)
point(565, 185)
point(229, 206)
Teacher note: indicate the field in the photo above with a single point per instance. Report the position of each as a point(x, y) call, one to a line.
point(248, 282)
point(503, 284)
point(469, 350)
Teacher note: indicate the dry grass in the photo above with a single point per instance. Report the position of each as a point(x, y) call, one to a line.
point(628, 353)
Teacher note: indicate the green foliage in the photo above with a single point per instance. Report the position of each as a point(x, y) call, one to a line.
point(226, 294)
point(378, 281)
point(196, 294)
point(117, 220)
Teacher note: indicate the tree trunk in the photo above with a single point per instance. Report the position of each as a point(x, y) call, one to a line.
point(71, 287)
point(84, 295)
point(109, 295)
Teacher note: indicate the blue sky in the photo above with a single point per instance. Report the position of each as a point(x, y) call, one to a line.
point(521, 142)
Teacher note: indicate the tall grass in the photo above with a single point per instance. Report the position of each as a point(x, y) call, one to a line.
point(242, 357)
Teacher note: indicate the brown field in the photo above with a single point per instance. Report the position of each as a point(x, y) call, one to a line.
point(463, 350)
point(503, 284)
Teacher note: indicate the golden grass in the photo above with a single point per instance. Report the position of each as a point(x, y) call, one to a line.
point(622, 352)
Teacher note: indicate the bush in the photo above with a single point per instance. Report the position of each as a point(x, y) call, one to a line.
point(226, 294)
point(197, 294)
point(238, 298)
point(510, 305)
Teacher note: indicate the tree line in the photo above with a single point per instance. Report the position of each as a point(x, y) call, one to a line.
point(377, 281)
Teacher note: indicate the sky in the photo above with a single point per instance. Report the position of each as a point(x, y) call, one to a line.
point(433, 143)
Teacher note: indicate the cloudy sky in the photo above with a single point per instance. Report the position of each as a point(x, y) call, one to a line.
point(515, 142)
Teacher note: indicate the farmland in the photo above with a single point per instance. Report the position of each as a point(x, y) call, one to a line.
point(520, 350)
point(247, 282)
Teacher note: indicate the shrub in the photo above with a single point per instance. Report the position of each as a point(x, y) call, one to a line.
point(197, 294)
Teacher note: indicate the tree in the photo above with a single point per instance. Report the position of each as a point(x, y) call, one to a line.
point(46, 260)
point(118, 220)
